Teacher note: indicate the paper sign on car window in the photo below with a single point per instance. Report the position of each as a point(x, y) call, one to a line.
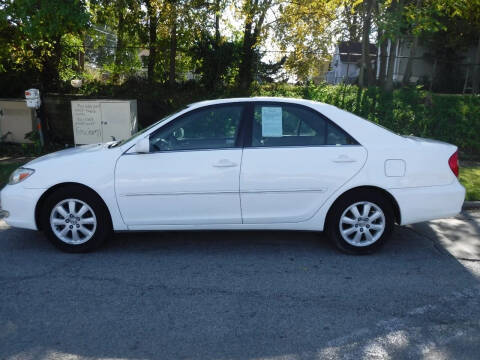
point(272, 121)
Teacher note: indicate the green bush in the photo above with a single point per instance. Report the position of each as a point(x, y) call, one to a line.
point(451, 118)
point(411, 110)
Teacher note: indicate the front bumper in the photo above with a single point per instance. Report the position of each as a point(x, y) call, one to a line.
point(429, 202)
point(18, 204)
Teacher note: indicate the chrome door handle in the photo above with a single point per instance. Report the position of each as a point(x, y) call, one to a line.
point(343, 159)
point(225, 163)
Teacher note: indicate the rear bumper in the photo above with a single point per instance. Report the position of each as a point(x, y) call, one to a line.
point(430, 202)
point(18, 205)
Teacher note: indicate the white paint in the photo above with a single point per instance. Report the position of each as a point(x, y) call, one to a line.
point(395, 167)
point(97, 121)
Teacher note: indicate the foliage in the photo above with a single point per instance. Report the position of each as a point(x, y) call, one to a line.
point(451, 118)
point(216, 62)
point(470, 178)
point(33, 36)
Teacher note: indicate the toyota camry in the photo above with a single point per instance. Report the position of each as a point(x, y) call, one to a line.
point(246, 163)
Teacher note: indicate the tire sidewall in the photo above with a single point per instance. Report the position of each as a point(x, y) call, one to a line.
point(103, 228)
point(333, 229)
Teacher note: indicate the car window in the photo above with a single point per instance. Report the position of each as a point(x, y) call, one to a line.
point(290, 125)
point(209, 128)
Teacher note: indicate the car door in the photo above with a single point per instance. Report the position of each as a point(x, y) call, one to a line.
point(191, 174)
point(296, 159)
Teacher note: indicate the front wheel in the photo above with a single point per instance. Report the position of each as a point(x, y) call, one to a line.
point(75, 219)
point(361, 222)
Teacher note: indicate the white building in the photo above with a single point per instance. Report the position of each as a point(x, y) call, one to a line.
point(345, 66)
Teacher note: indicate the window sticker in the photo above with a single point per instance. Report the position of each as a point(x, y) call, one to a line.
point(272, 125)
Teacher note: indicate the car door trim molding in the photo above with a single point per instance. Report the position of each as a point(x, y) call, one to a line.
point(180, 193)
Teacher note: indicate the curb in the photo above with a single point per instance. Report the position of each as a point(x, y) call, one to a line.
point(471, 205)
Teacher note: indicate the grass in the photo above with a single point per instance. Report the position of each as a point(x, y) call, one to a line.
point(470, 178)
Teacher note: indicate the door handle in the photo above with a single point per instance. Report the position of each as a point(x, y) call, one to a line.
point(343, 159)
point(225, 163)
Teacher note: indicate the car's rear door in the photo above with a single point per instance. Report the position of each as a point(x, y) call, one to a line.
point(296, 159)
point(190, 176)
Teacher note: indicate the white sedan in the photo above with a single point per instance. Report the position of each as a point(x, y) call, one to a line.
point(246, 163)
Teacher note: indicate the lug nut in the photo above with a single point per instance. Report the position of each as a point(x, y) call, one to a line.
point(361, 229)
point(67, 220)
point(71, 226)
point(78, 226)
point(368, 226)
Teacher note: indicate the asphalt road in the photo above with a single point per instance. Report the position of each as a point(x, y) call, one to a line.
point(243, 295)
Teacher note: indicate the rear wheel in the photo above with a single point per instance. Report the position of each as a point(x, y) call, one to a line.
point(75, 219)
point(360, 222)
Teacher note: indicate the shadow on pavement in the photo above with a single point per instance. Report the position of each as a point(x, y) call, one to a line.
point(236, 295)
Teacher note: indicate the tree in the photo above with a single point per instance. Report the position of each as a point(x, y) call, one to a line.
point(365, 62)
point(123, 18)
point(254, 13)
point(390, 23)
point(469, 10)
point(153, 16)
point(304, 30)
point(40, 31)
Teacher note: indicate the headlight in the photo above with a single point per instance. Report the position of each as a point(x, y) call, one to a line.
point(19, 175)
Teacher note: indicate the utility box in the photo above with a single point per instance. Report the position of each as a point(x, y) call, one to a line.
point(98, 121)
point(16, 120)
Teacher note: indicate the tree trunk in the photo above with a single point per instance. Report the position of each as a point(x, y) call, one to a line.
point(152, 41)
point(391, 63)
point(120, 47)
point(50, 76)
point(217, 23)
point(173, 45)
point(408, 68)
point(365, 61)
point(81, 55)
point(245, 75)
point(476, 70)
point(215, 79)
point(382, 59)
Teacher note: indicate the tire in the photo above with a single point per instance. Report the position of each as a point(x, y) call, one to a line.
point(81, 230)
point(364, 231)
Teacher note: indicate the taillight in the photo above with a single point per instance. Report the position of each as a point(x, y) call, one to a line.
point(453, 163)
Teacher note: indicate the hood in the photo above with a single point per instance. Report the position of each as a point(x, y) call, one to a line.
point(82, 149)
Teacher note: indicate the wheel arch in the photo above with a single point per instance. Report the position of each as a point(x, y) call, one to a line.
point(383, 192)
point(54, 188)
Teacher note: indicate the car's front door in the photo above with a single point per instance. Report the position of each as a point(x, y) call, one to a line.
point(191, 174)
point(296, 160)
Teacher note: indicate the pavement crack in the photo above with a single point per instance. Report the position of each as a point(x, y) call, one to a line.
point(434, 242)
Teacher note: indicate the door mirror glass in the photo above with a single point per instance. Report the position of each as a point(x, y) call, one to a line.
point(142, 146)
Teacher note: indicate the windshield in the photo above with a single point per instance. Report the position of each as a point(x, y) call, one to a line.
point(121, 142)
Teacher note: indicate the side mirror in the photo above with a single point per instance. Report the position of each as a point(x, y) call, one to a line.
point(143, 146)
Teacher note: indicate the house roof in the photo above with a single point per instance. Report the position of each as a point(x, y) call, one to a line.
point(351, 51)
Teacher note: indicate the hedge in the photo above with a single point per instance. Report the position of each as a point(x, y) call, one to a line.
point(451, 118)
point(408, 111)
